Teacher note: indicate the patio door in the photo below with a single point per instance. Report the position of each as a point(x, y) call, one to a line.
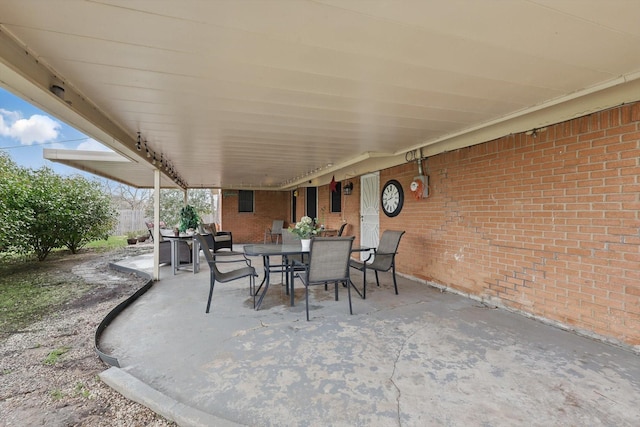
point(369, 212)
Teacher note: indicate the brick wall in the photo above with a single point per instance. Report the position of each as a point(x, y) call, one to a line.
point(269, 205)
point(249, 227)
point(350, 212)
point(548, 225)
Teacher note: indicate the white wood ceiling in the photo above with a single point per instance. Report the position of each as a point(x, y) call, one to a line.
point(272, 93)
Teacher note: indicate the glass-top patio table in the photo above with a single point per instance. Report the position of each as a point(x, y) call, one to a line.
point(175, 252)
point(266, 251)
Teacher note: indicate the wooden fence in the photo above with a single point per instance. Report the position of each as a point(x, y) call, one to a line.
point(129, 220)
point(133, 220)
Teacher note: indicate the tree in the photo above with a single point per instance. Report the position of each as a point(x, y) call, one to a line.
point(127, 197)
point(66, 211)
point(13, 217)
point(172, 201)
point(87, 214)
point(46, 204)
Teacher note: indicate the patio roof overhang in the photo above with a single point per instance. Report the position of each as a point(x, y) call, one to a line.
point(273, 95)
point(110, 165)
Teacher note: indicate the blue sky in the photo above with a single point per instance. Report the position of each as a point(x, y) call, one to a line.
point(26, 130)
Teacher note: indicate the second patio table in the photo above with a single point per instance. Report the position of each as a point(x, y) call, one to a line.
point(175, 252)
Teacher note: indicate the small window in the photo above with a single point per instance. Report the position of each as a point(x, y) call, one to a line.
point(245, 201)
point(336, 198)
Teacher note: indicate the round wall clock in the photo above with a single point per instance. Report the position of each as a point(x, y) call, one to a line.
point(392, 198)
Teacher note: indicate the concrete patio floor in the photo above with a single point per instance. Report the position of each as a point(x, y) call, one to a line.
point(421, 358)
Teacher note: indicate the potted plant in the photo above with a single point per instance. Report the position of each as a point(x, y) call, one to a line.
point(305, 229)
point(142, 236)
point(189, 218)
point(132, 238)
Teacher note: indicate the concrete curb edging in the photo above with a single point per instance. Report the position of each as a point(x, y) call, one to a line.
point(137, 391)
point(106, 358)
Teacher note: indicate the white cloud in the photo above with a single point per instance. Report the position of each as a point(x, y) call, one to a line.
point(35, 129)
point(92, 145)
point(12, 116)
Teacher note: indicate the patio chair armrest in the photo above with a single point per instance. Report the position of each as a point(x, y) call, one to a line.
point(299, 265)
point(296, 262)
point(219, 255)
point(358, 265)
point(384, 253)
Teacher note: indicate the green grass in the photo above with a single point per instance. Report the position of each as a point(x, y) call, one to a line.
point(113, 242)
point(82, 390)
point(54, 356)
point(31, 289)
point(56, 394)
point(26, 296)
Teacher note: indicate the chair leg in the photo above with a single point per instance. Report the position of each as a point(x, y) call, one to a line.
point(377, 280)
point(364, 283)
point(252, 287)
point(306, 298)
point(395, 284)
point(213, 281)
point(336, 289)
point(349, 293)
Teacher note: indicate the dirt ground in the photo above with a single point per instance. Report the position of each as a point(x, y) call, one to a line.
point(49, 371)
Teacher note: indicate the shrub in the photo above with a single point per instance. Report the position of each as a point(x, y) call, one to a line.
point(40, 210)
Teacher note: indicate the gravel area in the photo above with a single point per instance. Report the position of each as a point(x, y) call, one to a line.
point(49, 371)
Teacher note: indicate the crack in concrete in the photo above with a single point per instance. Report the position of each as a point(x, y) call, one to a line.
point(393, 371)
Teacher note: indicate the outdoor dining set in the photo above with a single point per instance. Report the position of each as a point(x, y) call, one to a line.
point(327, 261)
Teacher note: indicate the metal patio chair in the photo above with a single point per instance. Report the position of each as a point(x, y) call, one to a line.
point(384, 259)
point(342, 228)
point(219, 240)
point(328, 262)
point(275, 230)
point(213, 259)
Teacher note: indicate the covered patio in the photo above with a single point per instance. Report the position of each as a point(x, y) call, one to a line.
point(423, 357)
point(521, 119)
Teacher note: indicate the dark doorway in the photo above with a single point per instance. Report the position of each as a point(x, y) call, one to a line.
point(294, 202)
point(312, 202)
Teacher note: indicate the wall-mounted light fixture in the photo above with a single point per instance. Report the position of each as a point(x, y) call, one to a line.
point(57, 90)
point(533, 133)
point(348, 188)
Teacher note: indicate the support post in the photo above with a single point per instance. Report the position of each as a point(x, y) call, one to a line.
point(156, 224)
